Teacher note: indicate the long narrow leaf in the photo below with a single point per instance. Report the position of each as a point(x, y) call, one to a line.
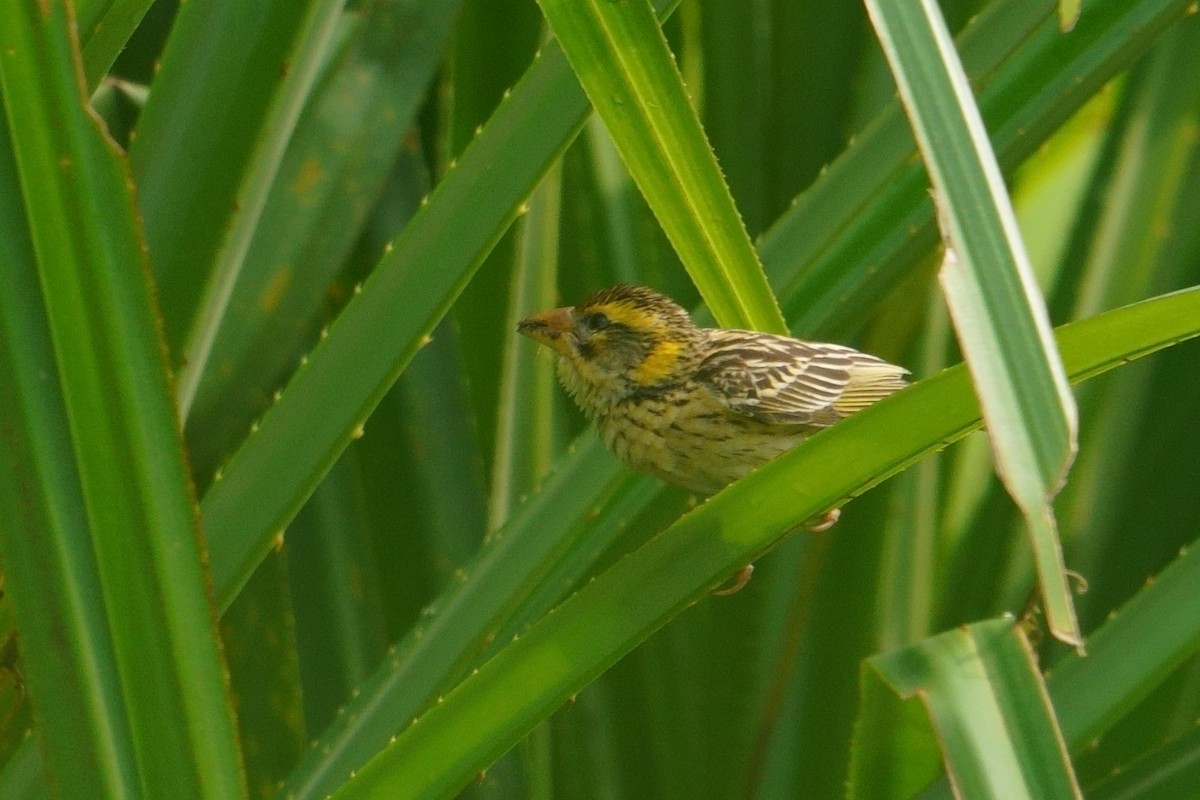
point(124, 432)
point(104, 29)
point(336, 162)
point(525, 424)
point(1172, 770)
point(1150, 636)
point(223, 79)
point(621, 58)
point(50, 571)
point(998, 312)
point(304, 60)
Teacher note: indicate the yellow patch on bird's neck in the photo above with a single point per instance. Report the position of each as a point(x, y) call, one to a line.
point(659, 363)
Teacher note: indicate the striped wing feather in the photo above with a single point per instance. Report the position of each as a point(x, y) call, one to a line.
point(781, 380)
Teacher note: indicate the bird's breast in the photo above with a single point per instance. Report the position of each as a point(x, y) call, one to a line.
point(691, 441)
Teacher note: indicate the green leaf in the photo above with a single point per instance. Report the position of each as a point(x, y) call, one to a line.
point(104, 29)
point(622, 61)
point(50, 570)
point(1172, 770)
point(224, 80)
point(124, 434)
point(988, 705)
point(525, 425)
point(1130, 654)
point(23, 777)
point(895, 747)
point(340, 632)
point(998, 312)
point(493, 44)
point(259, 641)
point(336, 162)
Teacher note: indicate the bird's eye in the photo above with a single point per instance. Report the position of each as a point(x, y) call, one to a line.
point(596, 321)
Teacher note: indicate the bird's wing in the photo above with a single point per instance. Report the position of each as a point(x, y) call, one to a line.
point(786, 381)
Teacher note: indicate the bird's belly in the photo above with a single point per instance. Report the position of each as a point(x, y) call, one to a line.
point(700, 446)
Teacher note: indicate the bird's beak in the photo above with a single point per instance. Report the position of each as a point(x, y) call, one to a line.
point(550, 328)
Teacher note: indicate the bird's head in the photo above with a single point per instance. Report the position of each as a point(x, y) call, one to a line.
point(618, 341)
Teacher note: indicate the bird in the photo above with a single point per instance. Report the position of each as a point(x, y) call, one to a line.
point(700, 407)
